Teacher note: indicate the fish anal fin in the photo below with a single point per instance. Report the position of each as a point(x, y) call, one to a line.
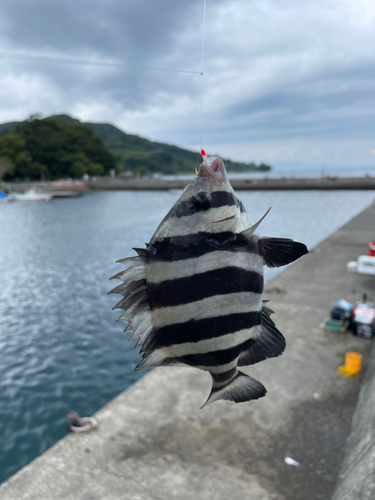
point(243, 237)
point(278, 252)
point(240, 389)
point(269, 343)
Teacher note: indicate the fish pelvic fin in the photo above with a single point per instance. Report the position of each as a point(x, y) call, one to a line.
point(239, 389)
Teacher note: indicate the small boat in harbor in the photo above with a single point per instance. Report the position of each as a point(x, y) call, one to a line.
point(32, 194)
point(5, 198)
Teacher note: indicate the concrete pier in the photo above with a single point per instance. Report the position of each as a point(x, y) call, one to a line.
point(238, 184)
point(144, 184)
point(154, 443)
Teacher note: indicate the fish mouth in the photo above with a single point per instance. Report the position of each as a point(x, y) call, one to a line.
point(215, 172)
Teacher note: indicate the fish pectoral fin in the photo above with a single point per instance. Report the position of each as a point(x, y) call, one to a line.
point(269, 343)
point(278, 252)
point(240, 389)
point(243, 238)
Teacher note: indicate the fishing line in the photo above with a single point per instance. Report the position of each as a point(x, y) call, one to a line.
point(60, 60)
point(202, 73)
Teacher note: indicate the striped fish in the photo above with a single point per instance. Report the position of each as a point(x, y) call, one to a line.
point(194, 295)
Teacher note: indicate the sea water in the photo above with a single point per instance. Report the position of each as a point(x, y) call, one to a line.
point(60, 347)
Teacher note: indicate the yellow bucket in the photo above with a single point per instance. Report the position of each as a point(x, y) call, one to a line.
point(352, 366)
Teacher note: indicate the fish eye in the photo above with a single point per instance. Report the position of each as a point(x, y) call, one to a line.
point(202, 201)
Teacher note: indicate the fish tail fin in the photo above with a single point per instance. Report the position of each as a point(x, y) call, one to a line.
point(239, 389)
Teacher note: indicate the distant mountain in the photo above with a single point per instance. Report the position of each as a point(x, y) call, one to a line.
point(140, 155)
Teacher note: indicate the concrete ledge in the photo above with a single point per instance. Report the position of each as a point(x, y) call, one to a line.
point(357, 474)
point(109, 183)
point(238, 184)
point(153, 442)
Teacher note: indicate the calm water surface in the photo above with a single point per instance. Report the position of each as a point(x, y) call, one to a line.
point(60, 347)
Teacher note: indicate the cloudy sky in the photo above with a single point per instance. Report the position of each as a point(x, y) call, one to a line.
point(285, 81)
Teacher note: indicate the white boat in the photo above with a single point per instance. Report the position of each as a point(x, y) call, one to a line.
point(32, 195)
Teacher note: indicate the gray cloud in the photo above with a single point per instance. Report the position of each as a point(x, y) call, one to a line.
point(115, 28)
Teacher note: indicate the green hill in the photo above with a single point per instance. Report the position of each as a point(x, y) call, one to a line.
point(52, 149)
point(140, 155)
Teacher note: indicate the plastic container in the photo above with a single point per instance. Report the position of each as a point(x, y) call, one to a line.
point(352, 365)
point(342, 310)
point(333, 325)
point(345, 305)
point(364, 319)
point(351, 266)
point(365, 331)
point(337, 313)
point(366, 265)
point(353, 362)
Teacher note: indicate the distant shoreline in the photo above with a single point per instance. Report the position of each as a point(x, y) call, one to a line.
point(116, 184)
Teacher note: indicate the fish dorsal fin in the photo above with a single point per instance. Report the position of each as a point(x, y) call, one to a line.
point(135, 298)
point(278, 252)
point(140, 251)
point(137, 311)
point(244, 237)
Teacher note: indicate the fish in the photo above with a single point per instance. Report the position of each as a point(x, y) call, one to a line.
point(193, 296)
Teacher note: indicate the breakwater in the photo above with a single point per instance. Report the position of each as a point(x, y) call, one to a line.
point(238, 184)
point(154, 442)
point(144, 184)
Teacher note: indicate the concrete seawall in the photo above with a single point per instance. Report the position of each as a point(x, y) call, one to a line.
point(154, 443)
point(357, 474)
point(115, 184)
point(238, 184)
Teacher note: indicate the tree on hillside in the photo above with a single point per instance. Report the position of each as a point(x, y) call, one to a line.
point(126, 151)
point(55, 148)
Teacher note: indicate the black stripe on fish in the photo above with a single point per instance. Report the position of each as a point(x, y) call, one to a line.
point(195, 245)
point(203, 202)
point(200, 286)
point(215, 358)
point(153, 358)
point(219, 378)
point(241, 205)
point(164, 271)
point(207, 328)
